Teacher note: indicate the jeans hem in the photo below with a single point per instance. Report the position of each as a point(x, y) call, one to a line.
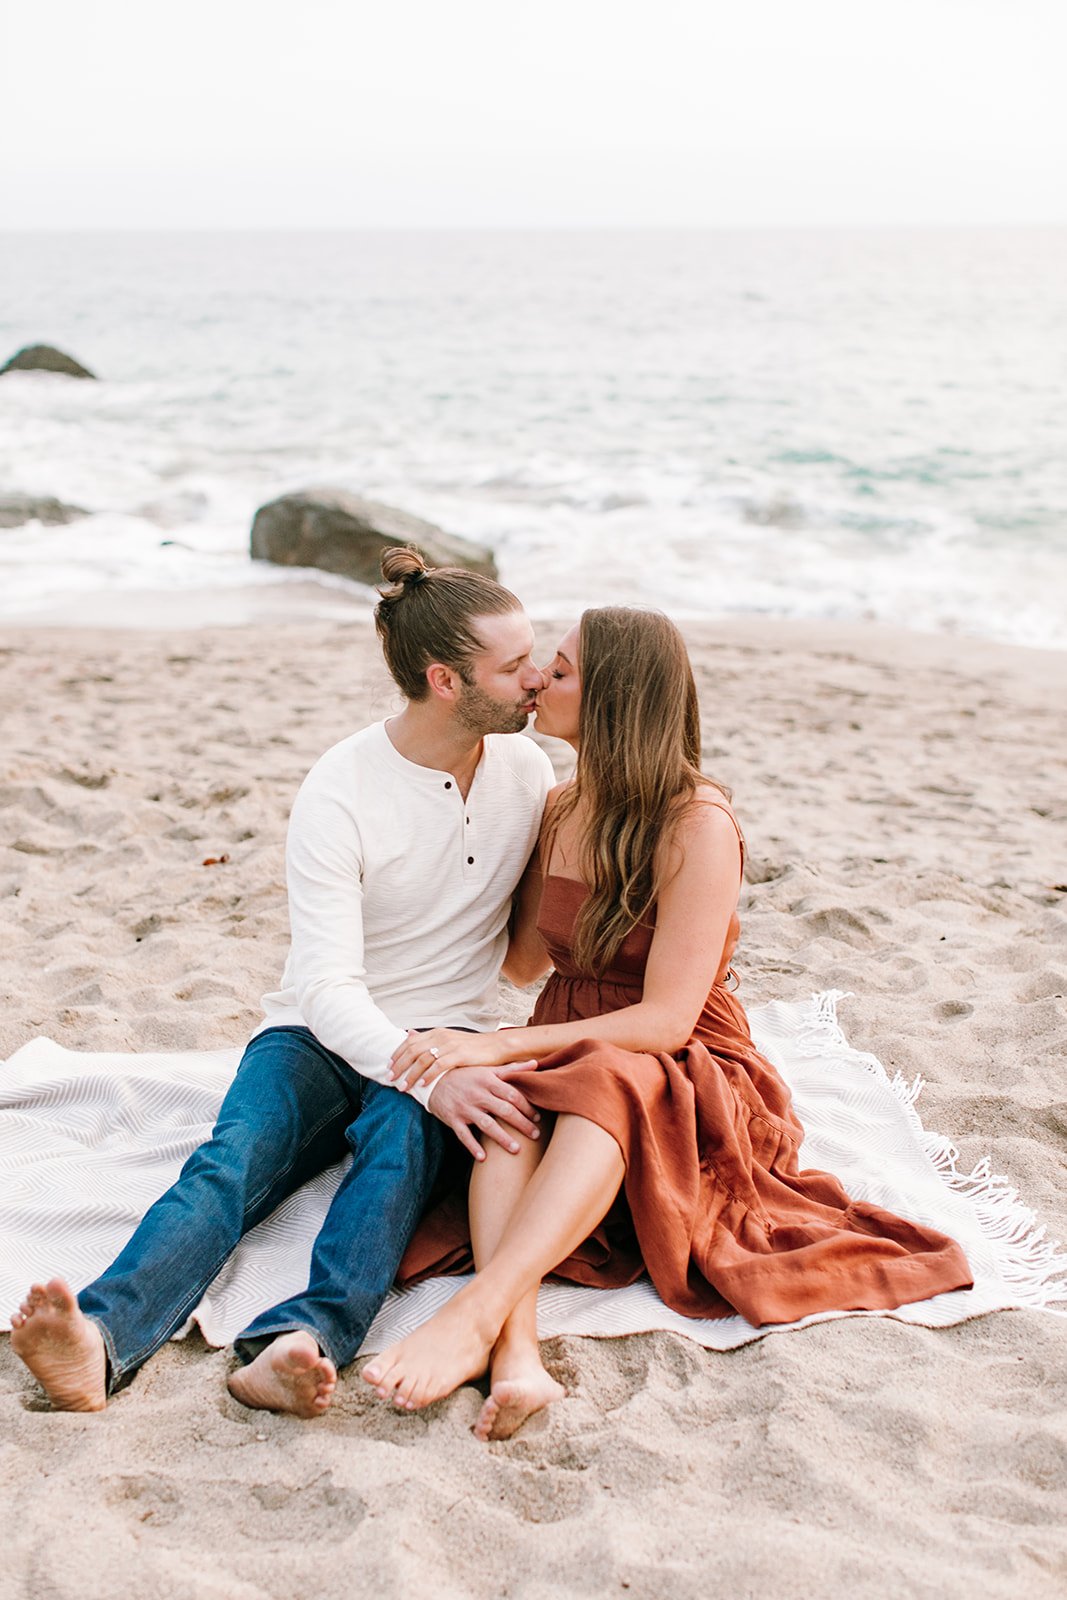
point(115, 1370)
point(292, 1327)
point(191, 1300)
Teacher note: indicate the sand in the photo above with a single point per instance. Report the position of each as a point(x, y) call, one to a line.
point(904, 800)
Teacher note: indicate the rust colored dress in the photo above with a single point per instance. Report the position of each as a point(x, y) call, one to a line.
point(713, 1206)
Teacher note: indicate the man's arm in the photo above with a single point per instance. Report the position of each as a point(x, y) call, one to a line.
point(324, 872)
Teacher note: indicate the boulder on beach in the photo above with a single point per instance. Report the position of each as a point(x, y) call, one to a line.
point(15, 509)
point(344, 533)
point(45, 358)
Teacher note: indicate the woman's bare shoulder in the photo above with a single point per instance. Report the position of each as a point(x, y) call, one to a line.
point(707, 811)
point(710, 802)
point(705, 829)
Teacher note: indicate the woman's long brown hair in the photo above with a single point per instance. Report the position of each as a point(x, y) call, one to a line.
point(638, 767)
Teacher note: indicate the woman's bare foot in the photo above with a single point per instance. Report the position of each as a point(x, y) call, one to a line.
point(519, 1386)
point(448, 1350)
point(289, 1375)
point(62, 1348)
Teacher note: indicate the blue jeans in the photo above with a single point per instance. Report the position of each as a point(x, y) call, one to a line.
point(293, 1109)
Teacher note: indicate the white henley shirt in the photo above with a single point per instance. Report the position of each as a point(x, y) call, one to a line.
point(400, 891)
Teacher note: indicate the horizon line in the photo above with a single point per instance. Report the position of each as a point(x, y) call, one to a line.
point(8, 230)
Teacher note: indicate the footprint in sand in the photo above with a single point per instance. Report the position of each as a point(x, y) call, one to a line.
point(262, 1513)
point(86, 779)
point(145, 1497)
point(837, 922)
point(953, 1010)
point(537, 1495)
point(758, 869)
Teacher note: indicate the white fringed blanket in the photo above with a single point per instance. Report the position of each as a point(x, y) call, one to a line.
point(87, 1142)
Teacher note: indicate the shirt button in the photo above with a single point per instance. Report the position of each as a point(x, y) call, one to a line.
point(448, 785)
point(470, 861)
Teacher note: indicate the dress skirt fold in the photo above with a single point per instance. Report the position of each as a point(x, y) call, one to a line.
point(714, 1206)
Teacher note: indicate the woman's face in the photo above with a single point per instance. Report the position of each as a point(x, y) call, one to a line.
point(559, 701)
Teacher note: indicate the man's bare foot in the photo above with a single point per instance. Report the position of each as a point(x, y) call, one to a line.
point(62, 1348)
point(519, 1387)
point(448, 1350)
point(289, 1375)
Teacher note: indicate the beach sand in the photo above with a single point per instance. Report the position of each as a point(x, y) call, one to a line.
point(904, 802)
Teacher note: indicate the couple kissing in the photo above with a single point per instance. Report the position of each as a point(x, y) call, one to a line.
point(629, 1127)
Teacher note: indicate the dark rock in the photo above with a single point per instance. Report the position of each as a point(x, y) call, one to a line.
point(15, 509)
point(341, 532)
point(777, 512)
point(44, 358)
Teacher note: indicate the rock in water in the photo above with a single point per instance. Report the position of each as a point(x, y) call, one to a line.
point(341, 532)
point(45, 358)
point(15, 509)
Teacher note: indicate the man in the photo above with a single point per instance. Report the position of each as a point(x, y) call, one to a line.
point(405, 845)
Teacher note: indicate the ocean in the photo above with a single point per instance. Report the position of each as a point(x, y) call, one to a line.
point(827, 424)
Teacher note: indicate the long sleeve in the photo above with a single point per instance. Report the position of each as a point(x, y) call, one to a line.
point(324, 870)
point(399, 892)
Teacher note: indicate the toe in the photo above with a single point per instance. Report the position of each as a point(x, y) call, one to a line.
point(404, 1390)
point(384, 1385)
point(399, 1392)
point(486, 1417)
point(389, 1375)
point(422, 1394)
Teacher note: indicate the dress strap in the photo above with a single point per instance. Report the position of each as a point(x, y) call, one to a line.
point(722, 805)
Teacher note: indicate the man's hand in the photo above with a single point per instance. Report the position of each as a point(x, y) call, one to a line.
point(480, 1098)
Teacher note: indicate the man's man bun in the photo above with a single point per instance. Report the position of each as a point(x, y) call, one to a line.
point(403, 564)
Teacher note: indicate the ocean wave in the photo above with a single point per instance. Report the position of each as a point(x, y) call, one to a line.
point(708, 424)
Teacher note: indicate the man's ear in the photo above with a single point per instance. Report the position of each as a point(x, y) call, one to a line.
point(443, 682)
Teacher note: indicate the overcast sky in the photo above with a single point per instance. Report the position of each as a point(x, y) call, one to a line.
point(337, 113)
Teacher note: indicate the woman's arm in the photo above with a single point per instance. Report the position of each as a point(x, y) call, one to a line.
point(693, 911)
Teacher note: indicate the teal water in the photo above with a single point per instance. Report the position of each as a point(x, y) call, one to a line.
point(828, 424)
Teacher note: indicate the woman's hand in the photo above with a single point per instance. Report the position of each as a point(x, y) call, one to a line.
point(424, 1056)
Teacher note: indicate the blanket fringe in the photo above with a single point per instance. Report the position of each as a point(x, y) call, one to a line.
point(1034, 1265)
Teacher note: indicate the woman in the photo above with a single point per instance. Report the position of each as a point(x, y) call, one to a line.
point(668, 1142)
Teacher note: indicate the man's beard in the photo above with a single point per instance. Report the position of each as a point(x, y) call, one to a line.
point(480, 714)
